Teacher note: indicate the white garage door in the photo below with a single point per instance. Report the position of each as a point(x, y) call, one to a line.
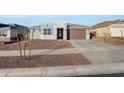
point(117, 32)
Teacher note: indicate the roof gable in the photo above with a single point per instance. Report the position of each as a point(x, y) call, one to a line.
point(103, 24)
point(107, 23)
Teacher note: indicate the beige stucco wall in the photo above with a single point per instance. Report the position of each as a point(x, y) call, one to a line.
point(101, 31)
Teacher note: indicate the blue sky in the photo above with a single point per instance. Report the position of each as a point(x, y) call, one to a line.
point(79, 19)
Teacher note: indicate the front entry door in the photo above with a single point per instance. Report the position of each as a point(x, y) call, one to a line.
point(60, 33)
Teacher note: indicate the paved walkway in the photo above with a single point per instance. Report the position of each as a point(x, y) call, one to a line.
point(40, 52)
point(80, 70)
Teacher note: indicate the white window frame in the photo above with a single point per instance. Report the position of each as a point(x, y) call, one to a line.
point(47, 31)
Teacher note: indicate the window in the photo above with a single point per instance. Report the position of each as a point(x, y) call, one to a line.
point(3, 33)
point(47, 31)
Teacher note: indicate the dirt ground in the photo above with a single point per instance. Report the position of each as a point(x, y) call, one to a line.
point(44, 61)
point(39, 44)
point(113, 41)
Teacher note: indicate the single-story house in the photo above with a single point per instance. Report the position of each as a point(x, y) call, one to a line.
point(65, 31)
point(8, 32)
point(108, 28)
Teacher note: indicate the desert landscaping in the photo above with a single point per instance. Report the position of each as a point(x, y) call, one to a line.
point(113, 41)
point(49, 46)
point(38, 44)
point(41, 60)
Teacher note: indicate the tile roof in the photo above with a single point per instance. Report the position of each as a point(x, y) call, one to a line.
point(76, 25)
point(3, 25)
point(107, 23)
point(103, 24)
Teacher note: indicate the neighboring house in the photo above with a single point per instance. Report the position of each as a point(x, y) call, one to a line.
point(65, 31)
point(8, 32)
point(108, 28)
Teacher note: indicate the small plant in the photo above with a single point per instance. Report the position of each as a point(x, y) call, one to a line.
point(27, 44)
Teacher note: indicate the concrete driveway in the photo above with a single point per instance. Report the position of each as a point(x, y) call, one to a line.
point(98, 52)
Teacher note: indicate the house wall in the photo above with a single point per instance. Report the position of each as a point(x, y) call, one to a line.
point(36, 30)
point(39, 31)
point(20, 30)
point(100, 32)
point(5, 38)
point(87, 33)
point(47, 26)
point(36, 34)
point(76, 32)
point(11, 32)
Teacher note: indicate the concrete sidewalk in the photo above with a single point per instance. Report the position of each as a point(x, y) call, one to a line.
point(58, 51)
point(60, 71)
point(40, 52)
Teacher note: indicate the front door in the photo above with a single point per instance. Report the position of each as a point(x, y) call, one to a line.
point(60, 33)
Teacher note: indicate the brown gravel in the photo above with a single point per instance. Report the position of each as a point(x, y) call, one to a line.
point(43, 61)
point(113, 41)
point(40, 44)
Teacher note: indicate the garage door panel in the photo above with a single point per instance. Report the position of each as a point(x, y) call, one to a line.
point(77, 35)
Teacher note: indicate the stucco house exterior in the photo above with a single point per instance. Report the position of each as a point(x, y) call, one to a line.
point(63, 31)
point(8, 32)
point(109, 28)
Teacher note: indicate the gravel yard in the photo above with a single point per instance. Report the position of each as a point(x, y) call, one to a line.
point(40, 44)
point(113, 41)
point(44, 61)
